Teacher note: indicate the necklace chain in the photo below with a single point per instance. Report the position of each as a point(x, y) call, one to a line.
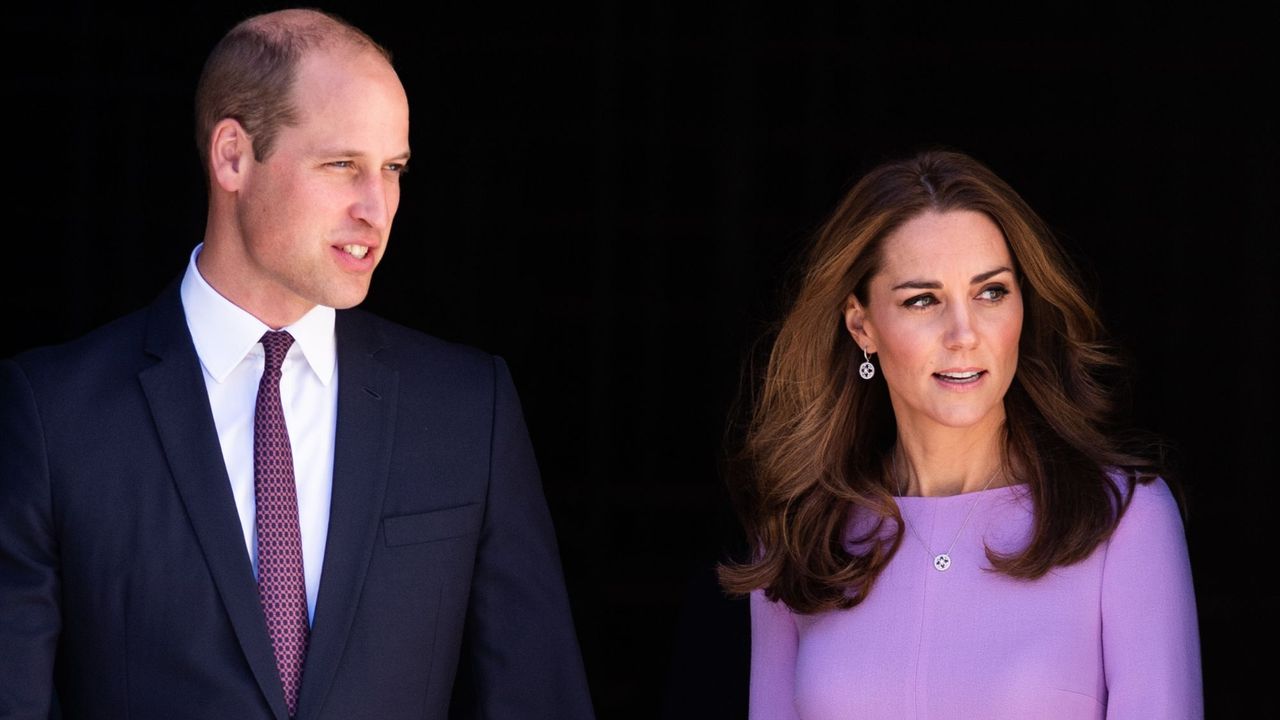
point(942, 560)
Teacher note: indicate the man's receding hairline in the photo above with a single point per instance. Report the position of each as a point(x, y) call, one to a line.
point(310, 29)
point(250, 74)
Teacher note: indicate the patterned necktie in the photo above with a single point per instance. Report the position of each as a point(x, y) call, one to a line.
point(281, 584)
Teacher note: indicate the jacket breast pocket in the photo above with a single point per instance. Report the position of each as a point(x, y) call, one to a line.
point(431, 526)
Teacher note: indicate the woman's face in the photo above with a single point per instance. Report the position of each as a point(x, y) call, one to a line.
point(944, 315)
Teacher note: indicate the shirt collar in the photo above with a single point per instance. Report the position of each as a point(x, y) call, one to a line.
point(224, 334)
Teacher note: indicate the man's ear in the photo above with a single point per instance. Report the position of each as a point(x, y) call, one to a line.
point(856, 322)
point(230, 153)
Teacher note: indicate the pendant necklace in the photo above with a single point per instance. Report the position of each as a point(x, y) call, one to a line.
point(942, 560)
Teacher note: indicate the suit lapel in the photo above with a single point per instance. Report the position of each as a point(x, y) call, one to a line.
point(174, 387)
point(367, 395)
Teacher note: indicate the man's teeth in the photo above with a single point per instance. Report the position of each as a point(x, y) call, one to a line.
point(357, 251)
point(960, 376)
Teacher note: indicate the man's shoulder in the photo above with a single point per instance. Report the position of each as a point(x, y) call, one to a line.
point(406, 347)
point(122, 343)
point(113, 346)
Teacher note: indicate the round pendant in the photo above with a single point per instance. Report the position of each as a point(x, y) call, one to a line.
point(867, 370)
point(942, 563)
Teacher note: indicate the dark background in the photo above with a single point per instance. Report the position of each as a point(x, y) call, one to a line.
point(612, 196)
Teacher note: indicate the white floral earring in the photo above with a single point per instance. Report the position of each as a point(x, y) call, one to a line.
point(866, 369)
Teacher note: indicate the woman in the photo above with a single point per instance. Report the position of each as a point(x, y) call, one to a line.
point(946, 524)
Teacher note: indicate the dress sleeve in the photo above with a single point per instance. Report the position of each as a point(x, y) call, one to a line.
point(773, 660)
point(1150, 638)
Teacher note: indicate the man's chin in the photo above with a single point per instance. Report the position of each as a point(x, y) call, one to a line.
point(347, 300)
point(347, 304)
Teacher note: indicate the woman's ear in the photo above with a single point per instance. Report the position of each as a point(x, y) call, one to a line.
point(858, 324)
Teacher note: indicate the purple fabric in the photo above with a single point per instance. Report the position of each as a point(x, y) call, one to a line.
point(281, 583)
point(1113, 636)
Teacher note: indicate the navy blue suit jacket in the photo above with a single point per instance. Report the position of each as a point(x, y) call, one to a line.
point(126, 590)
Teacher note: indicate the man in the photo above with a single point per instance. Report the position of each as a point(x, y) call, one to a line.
point(241, 503)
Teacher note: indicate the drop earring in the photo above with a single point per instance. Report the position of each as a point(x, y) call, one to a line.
point(866, 369)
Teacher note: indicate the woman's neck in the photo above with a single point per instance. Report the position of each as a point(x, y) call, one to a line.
point(948, 463)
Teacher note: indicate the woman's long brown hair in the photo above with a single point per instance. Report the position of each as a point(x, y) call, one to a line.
point(818, 439)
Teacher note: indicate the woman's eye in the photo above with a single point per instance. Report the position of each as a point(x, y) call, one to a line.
point(994, 293)
point(920, 301)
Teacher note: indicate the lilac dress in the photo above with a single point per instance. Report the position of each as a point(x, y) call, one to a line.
point(1113, 636)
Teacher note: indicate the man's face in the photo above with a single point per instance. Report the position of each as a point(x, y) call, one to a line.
point(314, 217)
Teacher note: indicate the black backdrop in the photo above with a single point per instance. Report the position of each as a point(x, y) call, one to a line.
point(610, 197)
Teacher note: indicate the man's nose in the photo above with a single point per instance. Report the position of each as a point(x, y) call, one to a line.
point(372, 205)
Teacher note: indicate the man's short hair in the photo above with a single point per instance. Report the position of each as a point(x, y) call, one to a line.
point(250, 74)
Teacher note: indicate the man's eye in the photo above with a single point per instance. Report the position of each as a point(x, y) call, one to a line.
point(398, 168)
point(342, 164)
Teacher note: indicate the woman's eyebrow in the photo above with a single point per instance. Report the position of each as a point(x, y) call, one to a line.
point(935, 285)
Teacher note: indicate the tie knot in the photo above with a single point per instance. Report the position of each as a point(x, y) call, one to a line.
point(275, 344)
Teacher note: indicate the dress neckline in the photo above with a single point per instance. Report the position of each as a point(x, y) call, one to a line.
point(962, 497)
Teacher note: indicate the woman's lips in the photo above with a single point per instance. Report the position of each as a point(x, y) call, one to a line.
point(959, 379)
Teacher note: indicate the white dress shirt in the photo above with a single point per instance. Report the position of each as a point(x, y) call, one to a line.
point(228, 342)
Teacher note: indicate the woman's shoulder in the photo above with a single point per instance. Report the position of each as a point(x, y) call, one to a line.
point(1150, 509)
point(1147, 566)
point(1137, 487)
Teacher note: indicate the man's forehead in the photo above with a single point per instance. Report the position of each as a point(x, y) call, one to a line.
point(349, 104)
point(328, 78)
point(328, 68)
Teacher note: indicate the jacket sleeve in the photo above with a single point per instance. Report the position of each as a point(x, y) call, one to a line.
point(1150, 637)
point(30, 617)
point(520, 656)
point(773, 660)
